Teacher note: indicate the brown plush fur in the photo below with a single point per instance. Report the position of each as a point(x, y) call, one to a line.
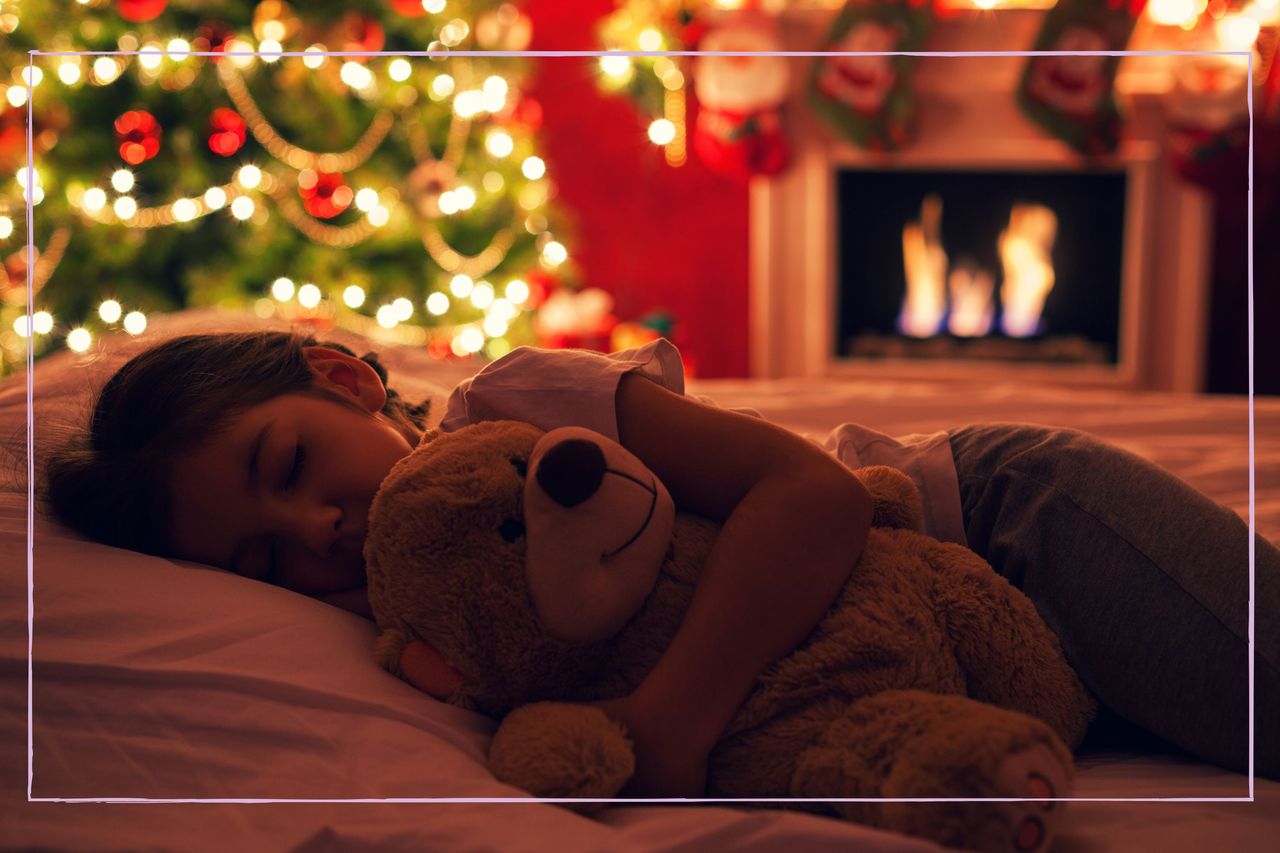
point(925, 676)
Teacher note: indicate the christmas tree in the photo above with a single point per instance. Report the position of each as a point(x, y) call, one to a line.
point(397, 196)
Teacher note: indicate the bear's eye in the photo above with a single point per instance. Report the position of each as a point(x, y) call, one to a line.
point(520, 465)
point(511, 529)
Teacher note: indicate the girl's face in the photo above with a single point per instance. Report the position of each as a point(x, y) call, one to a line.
point(283, 494)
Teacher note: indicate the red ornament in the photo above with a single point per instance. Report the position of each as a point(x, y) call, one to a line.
point(524, 111)
point(139, 136)
point(409, 8)
point(361, 33)
point(212, 37)
point(226, 132)
point(140, 10)
point(324, 194)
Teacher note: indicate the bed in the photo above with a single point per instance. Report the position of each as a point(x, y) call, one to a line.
point(163, 680)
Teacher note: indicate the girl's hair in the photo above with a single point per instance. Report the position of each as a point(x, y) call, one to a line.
point(112, 482)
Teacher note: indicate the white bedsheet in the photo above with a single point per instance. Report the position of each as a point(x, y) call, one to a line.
point(157, 679)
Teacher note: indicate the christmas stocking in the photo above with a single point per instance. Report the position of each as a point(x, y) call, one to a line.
point(1072, 96)
point(738, 132)
point(868, 98)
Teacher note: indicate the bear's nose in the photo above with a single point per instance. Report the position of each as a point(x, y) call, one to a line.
point(571, 471)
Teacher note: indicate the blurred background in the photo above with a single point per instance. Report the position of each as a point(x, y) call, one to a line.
point(1064, 219)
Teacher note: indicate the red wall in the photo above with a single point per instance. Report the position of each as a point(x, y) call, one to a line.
point(652, 235)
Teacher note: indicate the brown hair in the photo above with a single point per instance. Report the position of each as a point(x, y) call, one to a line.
point(112, 481)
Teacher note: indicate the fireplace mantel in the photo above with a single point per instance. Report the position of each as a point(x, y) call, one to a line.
point(969, 119)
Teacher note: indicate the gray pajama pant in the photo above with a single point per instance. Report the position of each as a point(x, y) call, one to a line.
point(1144, 579)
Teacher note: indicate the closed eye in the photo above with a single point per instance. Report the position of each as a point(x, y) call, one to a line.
point(298, 456)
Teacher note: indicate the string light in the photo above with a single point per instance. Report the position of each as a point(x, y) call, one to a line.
point(379, 216)
point(309, 295)
point(356, 76)
point(150, 56)
point(270, 50)
point(22, 325)
point(109, 311)
point(184, 210)
point(242, 208)
point(435, 7)
point(442, 87)
point(554, 254)
point(619, 67)
point(482, 295)
point(31, 75)
point(517, 291)
point(314, 56)
point(533, 168)
point(79, 339)
point(366, 200)
point(135, 322)
point(124, 207)
point(386, 317)
point(16, 95)
point(122, 180)
point(469, 340)
point(6, 228)
point(499, 143)
point(661, 131)
point(399, 70)
point(282, 289)
point(353, 296)
point(178, 49)
point(42, 321)
point(105, 70)
point(403, 309)
point(249, 176)
point(69, 71)
point(437, 303)
point(214, 197)
point(461, 285)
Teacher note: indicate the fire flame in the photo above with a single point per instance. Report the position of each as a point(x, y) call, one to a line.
point(1025, 247)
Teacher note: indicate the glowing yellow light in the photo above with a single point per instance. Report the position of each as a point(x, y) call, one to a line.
point(454, 32)
point(366, 200)
point(661, 132)
point(6, 228)
point(533, 168)
point(448, 203)
point(1238, 32)
point(184, 210)
point(379, 216)
point(240, 52)
point(249, 176)
point(499, 143)
point(214, 197)
point(135, 322)
point(69, 72)
point(986, 4)
point(122, 180)
point(470, 339)
point(42, 322)
point(242, 208)
point(442, 86)
point(482, 295)
point(308, 295)
point(125, 207)
point(403, 309)
point(386, 317)
point(435, 7)
point(32, 75)
point(437, 303)
point(105, 69)
point(461, 285)
point(399, 70)
point(314, 57)
point(21, 325)
point(79, 339)
point(94, 199)
point(1174, 12)
point(467, 104)
point(353, 296)
point(517, 291)
point(616, 66)
point(464, 197)
point(16, 95)
point(109, 311)
point(494, 327)
point(492, 182)
point(178, 49)
point(554, 254)
point(270, 50)
point(502, 307)
point(650, 39)
point(151, 56)
point(356, 75)
point(282, 289)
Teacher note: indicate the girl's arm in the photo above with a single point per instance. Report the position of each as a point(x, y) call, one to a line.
point(795, 521)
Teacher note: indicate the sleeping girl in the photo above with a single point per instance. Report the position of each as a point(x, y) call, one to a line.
point(260, 453)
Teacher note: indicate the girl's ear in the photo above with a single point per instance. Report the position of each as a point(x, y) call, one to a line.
point(346, 375)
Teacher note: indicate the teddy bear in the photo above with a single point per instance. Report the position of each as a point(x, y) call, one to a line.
point(546, 569)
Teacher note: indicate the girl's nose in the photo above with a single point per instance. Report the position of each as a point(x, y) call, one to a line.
point(316, 527)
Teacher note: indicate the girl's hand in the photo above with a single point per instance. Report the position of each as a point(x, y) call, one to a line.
point(667, 764)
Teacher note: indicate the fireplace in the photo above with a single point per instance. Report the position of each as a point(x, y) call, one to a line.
point(977, 265)
point(838, 237)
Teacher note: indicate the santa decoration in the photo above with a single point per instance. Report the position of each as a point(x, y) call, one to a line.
point(738, 132)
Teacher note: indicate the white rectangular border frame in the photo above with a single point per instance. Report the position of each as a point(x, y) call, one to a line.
point(587, 53)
